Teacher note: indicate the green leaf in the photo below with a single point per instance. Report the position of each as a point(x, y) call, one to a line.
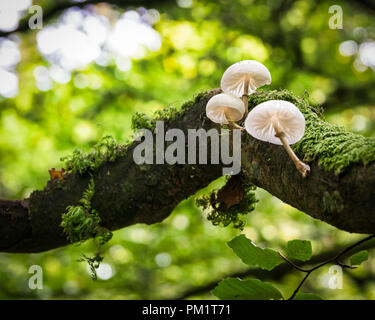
point(359, 257)
point(254, 256)
point(299, 250)
point(253, 289)
point(307, 296)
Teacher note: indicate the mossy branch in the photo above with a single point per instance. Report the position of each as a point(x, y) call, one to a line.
point(339, 190)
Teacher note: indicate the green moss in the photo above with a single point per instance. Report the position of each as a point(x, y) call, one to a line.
point(335, 148)
point(235, 215)
point(142, 121)
point(81, 222)
point(107, 149)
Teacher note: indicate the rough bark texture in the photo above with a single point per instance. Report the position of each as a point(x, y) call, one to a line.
point(126, 193)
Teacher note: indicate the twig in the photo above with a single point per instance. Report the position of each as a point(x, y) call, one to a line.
point(291, 263)
point(334, 259)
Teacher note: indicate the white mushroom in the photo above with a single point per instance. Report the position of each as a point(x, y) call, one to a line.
point(243, 78)
point(279, 122)
point(225, 109)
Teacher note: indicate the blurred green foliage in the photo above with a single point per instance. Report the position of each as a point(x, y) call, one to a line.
point(199, 40)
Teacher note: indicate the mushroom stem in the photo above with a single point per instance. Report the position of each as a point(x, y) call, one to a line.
point(235, 125)
point(232, 123)
point(301, 166)
point(245, 96)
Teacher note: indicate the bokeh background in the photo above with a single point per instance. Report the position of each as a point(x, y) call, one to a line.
point(93, 65)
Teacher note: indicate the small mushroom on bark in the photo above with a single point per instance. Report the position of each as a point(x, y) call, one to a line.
point(278, 122)
point(243, 78)
point(225, 109)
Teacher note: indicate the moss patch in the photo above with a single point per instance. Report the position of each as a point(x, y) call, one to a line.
point(107, 149)
point(81, 222)
point(335, 148)
point(218, 212)
point(142, 121)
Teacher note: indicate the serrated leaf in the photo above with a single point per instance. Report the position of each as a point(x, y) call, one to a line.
point(307, 296)
point(253, 289)
point(359, 257)
point(299, 250)
point(254, 256)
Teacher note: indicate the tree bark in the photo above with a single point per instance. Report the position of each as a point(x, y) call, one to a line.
point(127, 193)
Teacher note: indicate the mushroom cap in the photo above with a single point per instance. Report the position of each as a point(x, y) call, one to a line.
point(224, 107)
point(259, 122)
point(233, 80)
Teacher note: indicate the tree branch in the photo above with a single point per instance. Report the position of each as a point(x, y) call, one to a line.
point(127, 193)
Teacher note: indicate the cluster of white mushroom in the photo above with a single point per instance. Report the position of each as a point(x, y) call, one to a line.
point(275, 121)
